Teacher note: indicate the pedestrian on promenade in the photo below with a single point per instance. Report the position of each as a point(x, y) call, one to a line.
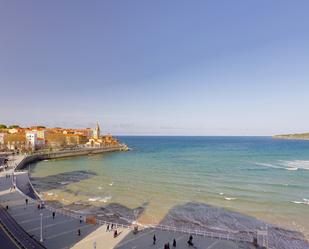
point(112, 226)
point(54, 215)
point(78, 232)
point(107, 228)
point(26, 201)
point(115, 233)
point(174, 243)
point(39, 207)
point(154, 239)
point(80, 219)
point(7, 207)
point(190, 241)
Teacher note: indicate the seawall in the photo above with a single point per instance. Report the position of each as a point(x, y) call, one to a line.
point(63, 154)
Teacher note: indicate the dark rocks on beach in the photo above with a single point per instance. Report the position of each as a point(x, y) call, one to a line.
point(200, 216)
point(47, 183)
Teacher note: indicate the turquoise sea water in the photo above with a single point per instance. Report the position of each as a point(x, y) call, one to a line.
point(257, 176)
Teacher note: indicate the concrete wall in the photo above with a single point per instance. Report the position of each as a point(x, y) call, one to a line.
point(62, 154)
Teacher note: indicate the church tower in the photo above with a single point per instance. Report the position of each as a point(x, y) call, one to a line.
point(96, 131)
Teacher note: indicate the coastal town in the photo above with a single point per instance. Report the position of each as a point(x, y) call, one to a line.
point(40, 138)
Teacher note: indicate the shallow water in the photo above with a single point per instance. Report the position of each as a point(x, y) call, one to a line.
point(257, 176)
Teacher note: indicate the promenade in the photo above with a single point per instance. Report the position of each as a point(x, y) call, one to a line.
point(61, 231)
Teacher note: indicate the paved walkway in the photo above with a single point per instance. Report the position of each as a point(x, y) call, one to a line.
point(144, 240)
point(60, 232)
point(7, 241)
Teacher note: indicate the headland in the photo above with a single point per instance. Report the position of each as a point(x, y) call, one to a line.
point(296, 136)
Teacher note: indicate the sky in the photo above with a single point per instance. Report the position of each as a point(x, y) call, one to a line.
point(209, 67)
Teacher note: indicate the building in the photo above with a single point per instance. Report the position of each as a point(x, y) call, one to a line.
point(31, 139)
point(75, 139)
point(98, 141)
point(41, 134)
point(15, 130)
point(2, 140)
point(96, 132)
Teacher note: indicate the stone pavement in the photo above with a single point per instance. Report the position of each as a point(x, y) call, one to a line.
point(144, 241)
point(61, 232)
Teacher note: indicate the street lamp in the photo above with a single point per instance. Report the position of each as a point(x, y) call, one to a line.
point(41, 239)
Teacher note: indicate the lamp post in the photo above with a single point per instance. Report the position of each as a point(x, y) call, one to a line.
point(41, 237)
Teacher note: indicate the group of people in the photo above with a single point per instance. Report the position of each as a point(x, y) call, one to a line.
point(111, 228)
point(167, 245)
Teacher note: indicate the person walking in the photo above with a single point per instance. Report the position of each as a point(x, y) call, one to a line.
point(174, 243)
point(107, 228)
point(154, 239)
point(190, 241)
point(78, 232)
point(26, 201)
point(54, 215)
point(115, 233)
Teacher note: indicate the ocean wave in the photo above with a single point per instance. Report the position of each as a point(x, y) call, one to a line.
point(286, 165)
point(304, 201)
point(299, 164)
point(64, 182)
point(269, 165)
point(229, 198)
point(100, 199)
point(292, 168)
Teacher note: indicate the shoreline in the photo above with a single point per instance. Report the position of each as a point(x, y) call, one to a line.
point(218, 233)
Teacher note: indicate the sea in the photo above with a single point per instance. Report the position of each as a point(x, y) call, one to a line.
point(201, 182)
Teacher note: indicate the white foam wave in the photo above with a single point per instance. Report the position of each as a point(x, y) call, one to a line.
point(100, 199)
point(292, 168)
point(300, 164)
point(94, 199)
point(229, 198)
point(221, 193)
point(269, 165)
point(304, 201)
point(287, 165)
point(64, 182)
point(111, 184)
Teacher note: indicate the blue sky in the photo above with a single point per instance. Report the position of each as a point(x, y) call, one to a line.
point(157, 67)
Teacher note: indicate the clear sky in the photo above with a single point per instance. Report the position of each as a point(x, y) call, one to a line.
point(167, 67)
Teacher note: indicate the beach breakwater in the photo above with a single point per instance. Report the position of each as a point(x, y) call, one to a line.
point(63, 154)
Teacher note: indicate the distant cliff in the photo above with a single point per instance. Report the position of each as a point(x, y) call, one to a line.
point(300, 136)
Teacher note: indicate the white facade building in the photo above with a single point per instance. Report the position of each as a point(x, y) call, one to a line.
point(2, 138)
point(31, 139)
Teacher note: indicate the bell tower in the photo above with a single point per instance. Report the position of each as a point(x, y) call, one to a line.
point(96, 131)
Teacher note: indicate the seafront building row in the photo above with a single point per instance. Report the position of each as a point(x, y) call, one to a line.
point(34, 138)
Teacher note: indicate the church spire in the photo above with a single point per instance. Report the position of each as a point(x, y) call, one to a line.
point(96, 134)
